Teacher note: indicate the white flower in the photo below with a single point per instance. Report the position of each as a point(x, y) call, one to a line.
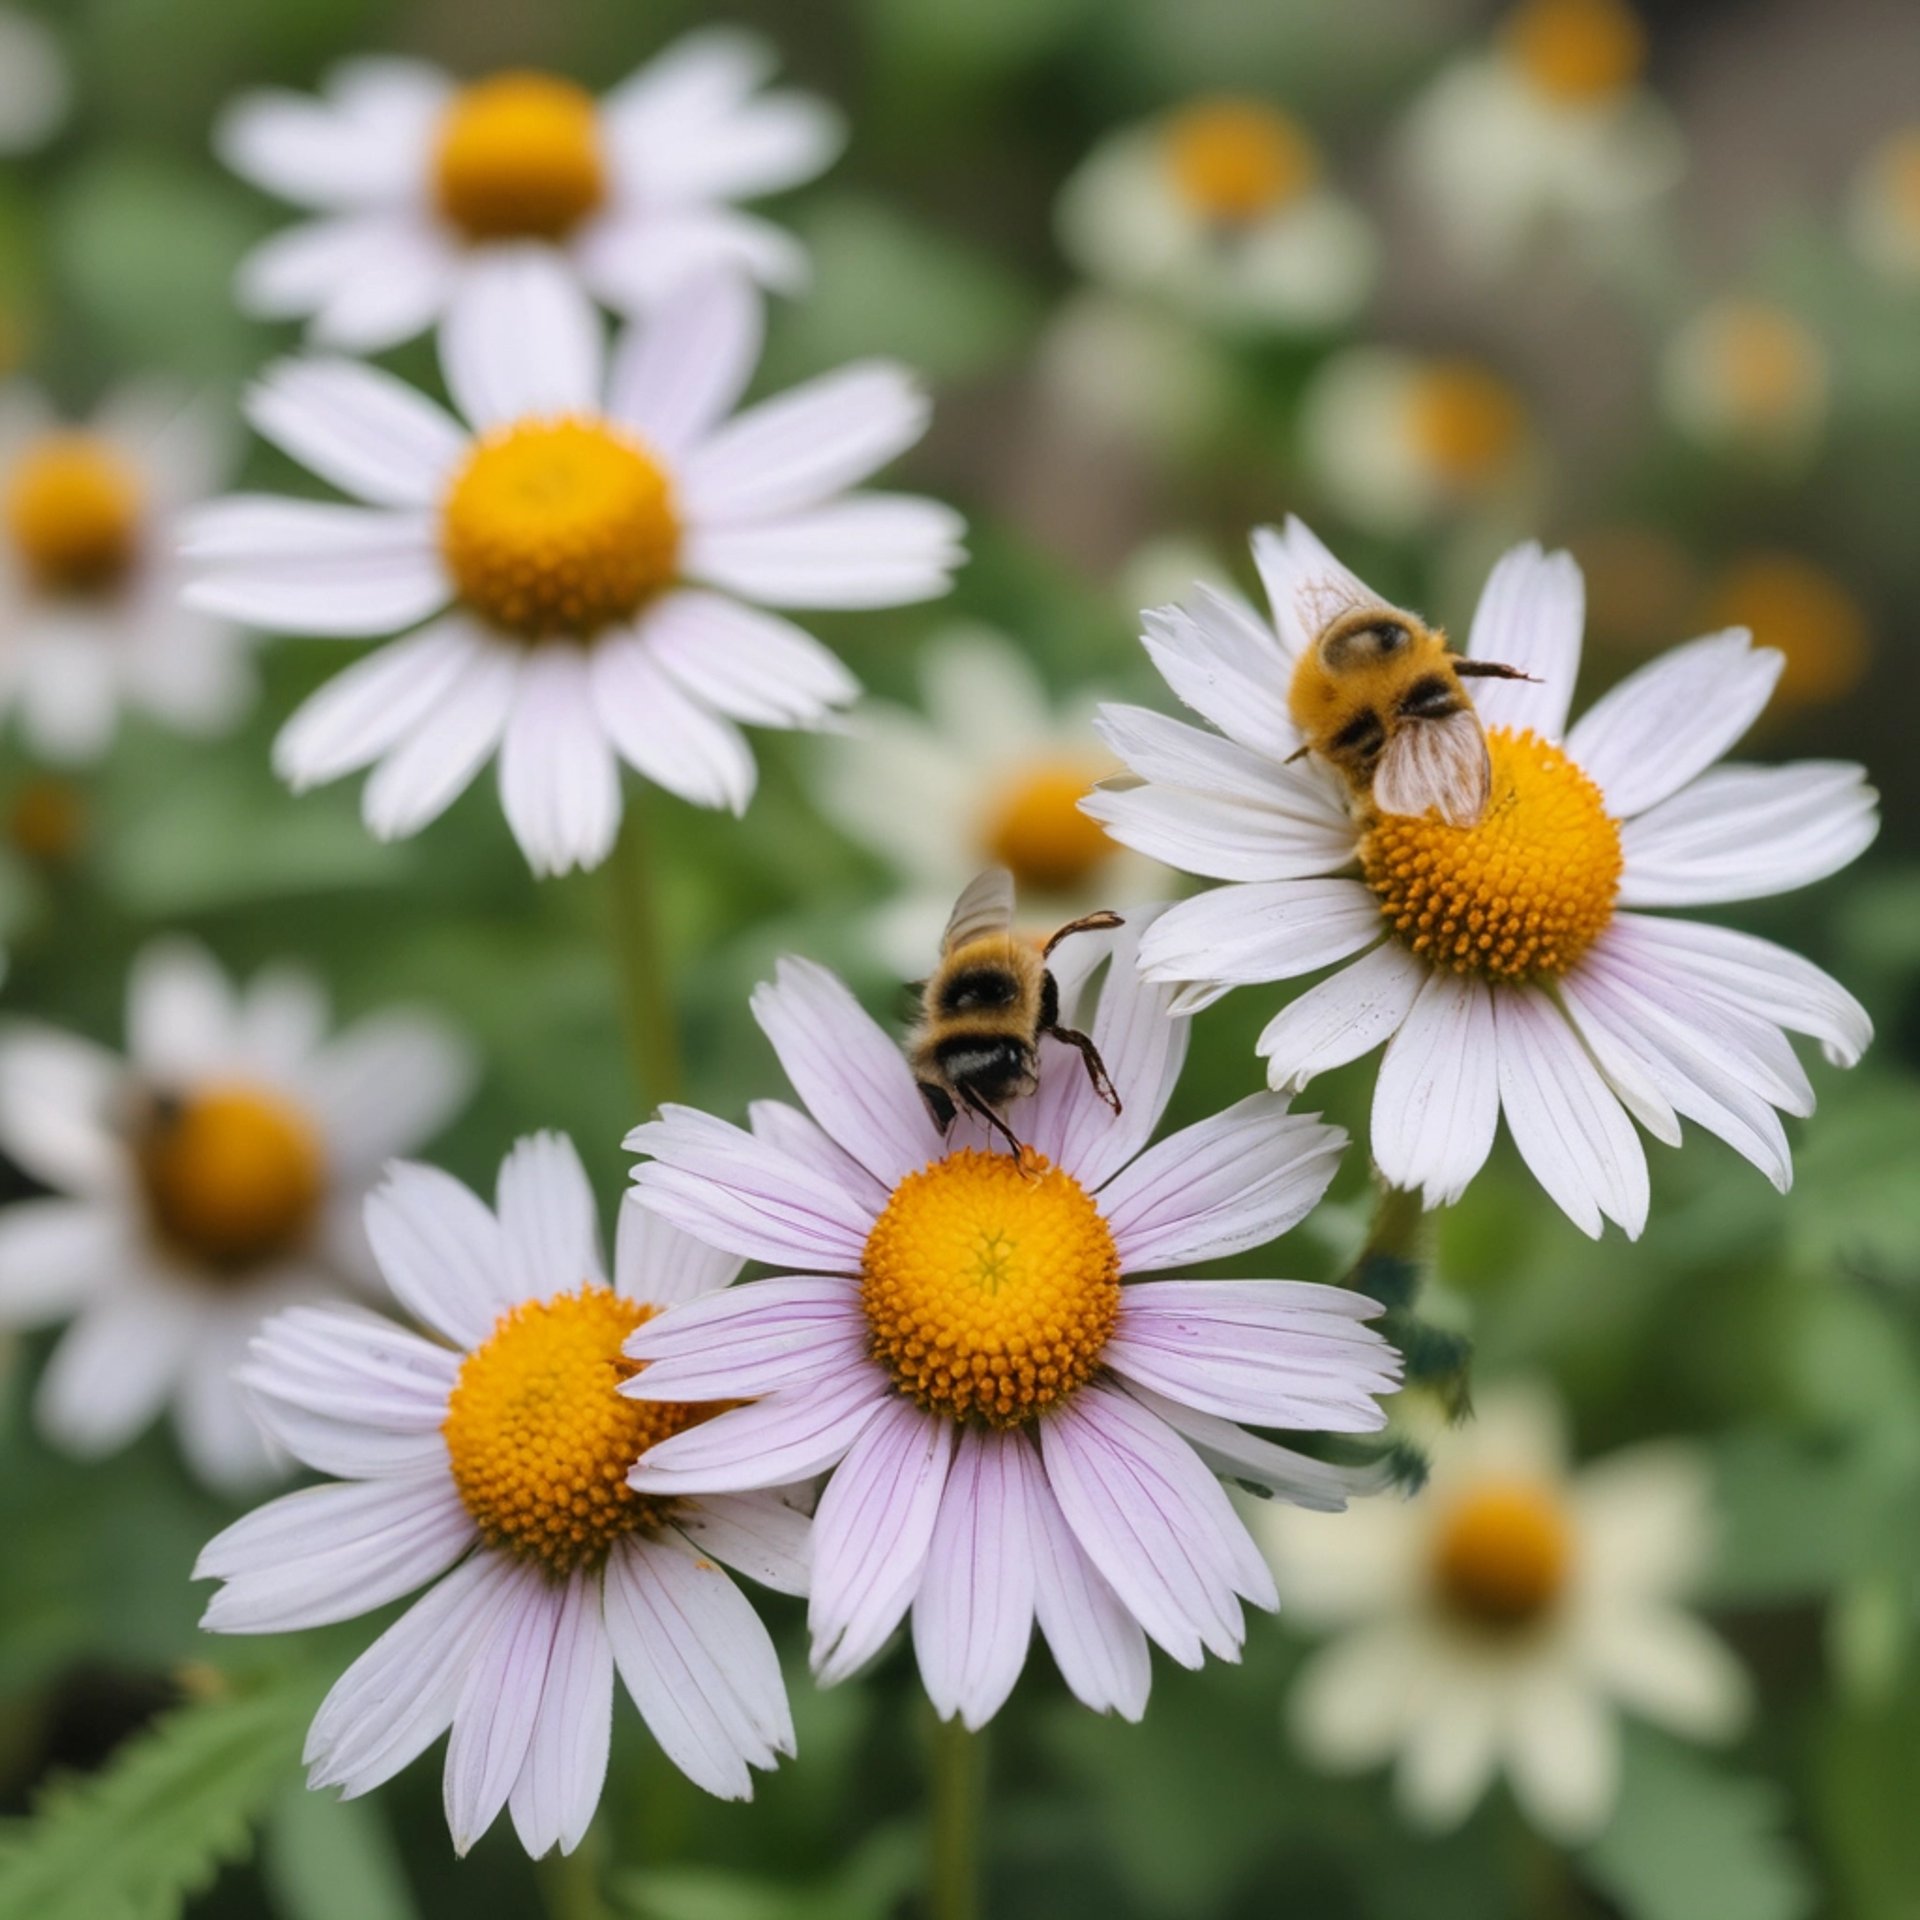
point(1883, 208)
point(1512, 966)
point(491, 1459)
point(993, 775)
point(1747, 377)
point(34, 89)
point(1219, 210)
point(1550, 130)
point(1395, 441)
point(90, 614)
point(418, 182)
point(212, 1176)
point(1499, 1619)
point(584, 553)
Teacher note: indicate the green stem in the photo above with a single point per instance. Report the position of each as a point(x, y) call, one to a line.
point(653, 1037)
point(570, 1882)
point(1398, 1231)
point(956, 1790)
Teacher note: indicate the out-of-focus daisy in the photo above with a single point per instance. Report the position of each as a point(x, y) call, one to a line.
point(1016, 1427)
point(1396, 440)
point(1805, 613)
point(1744, 376)
point(585, 552)
point(90, 613)
point(1219, 208)
point(1120, 369)
point(1883, 207)
point(1499, 1621)
point(993, 775)
point(1548, 131)
point(419, 183)
point(1511, 966)
point(34, 89)
point(213, 1175)
point(491, 1459)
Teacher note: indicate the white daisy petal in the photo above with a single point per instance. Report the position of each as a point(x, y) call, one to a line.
point(313, 153)
point(1436, 1102)
point(655, 1262)
point(215, 1420)
point(1452, 1749)
point(749, 665)
point(758, 1534)
point(638, 264)
point(113, 1370)
point(1237, 1455)
point(548, 1219)
point(183, 1019)
point(658, 728)
point(369, 434)
point(1265, 930)
point(442, 1251)
point(369, 280)
point(1306, 586)
point(58, 1104)
point(1665, 1665)
point(559, 780)
point(554, 1798)
point(520, 339)
point(389, 1082)
point(436, 762)
point(686, 366)
point(867, 550)
point(1096, 1642)
point(769, 144)
point(355, 1367)
point(1346, 1016)
point(1531, 614)
point(55, 1255)
point(1349, 1708)
point(1563, 1755)
point(1225, 663)
point(742, 1342)
point(777, 1441)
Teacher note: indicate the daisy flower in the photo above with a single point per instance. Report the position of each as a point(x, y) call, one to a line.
point(35, 91)
point(1744, 376)
point(1512, 967)
point(419, 184)
point(213, 1175)
point(1395, 441)
point(1219, 209)
point(585, 553)
point(1883, 208)
point(90, 613)
point(1500, 1620)
point(489, 1457)
point(992, 776)
point(1550, 129)
point(1016, 1427)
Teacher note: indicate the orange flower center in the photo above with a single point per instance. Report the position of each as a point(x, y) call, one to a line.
point(1233, 160)
point(73, 511)
point(1502, 1554)
point(1577, 51)
point(990, 1287)
point(519, 158)
point(1036, 830)
point(1465, 421)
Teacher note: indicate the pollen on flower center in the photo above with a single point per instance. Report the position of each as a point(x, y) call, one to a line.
point(559, 526)
point(1233, 160)
point(1525, 892)
point(1036, 830)
point(233, 1175)
point(519, 158)
point(990, 1287)
point(1577, 51)
point(540, 1438)
point(1502, 1554)
point(1466, 422)
point(73, 511)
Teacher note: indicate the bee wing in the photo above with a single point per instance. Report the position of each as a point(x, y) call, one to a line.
point(1441, 764)
point(985, 906)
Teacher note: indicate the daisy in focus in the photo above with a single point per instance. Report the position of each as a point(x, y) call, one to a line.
point(1883, 208)
point(1501, 1620)
point(489, 1457)
point(419, 184)
point(1017, 1428)
point(1510, 965)
point(90, 615)
point(992, 775)
point(1549, 131)
point(212, 1176)
point(1745, 377)
point(1219, 209)
point(587, 551)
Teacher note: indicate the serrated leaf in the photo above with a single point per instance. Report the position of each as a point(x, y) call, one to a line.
point(171, 1808)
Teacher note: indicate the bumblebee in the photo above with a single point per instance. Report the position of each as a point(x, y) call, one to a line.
point(1378, 697)
point(977, 1044)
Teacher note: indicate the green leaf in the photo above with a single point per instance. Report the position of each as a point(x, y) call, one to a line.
point(329, 1859)
point(1690, 1842)
point(157, 1824)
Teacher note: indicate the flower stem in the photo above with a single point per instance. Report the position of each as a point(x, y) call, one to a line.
point(1389, 1268)
point(956, 1789)
point(570, 1882)
point(653, 1038)
point(1397, 1232)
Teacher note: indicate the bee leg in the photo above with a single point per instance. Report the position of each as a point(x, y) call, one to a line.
point(975, 1105)
point(1087, 923)
point(939, 1103)
point(1489, 670)
point(1096, 1067)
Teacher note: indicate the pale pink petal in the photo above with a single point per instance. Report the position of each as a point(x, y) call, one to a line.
point(442, 1252)
point(1096, 1643)
point(559, 780)
point(654, 1262)
point(363, 430)
point(775, 1442)
point(684, 367)
point(1262, 930)
point(520, 339)
point(114, 1369)
point(554, 1798)
point(760, 1338)
point(354, 1367)
point(763, 1535)
point(657, 727)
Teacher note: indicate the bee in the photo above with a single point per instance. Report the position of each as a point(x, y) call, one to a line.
point(977, 1044)
point(1378, 696)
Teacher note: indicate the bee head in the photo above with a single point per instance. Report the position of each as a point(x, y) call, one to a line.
point(1363, 641)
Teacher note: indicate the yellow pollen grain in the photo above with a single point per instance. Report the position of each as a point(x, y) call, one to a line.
point(1523, 894)
point(1502, 1554)
point(233, 1174)
point(518, 158)
point(1790, 603)
point(559, 526)
point(1577, 51)
point(990, 1287)
point(1233, 160)
point(73, 508)
point(1466, 422)
point(1035, 829)
point(541, 1440)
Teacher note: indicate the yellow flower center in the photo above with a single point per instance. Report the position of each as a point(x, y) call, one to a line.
point(1502, 1554)
point(47, 821)
point(1770, 366)
point(541, 1440)
point(559, 526)
point(1577, 51)
point(233, 1174)
point(73, 510)
point(1803, 610)
point(1466, 422)
point(1233, 160)
point(991, 1286)
point(519, 158)
point(1036, 830)
point(1524, 893)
